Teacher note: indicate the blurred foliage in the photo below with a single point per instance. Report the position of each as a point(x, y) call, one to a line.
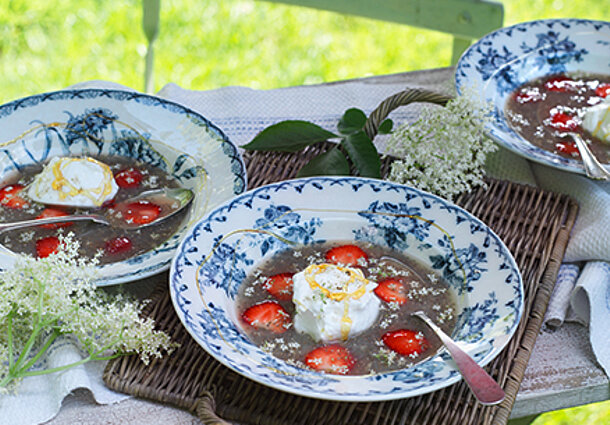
point(48, 45)
point(206, 44)
point(591, 414)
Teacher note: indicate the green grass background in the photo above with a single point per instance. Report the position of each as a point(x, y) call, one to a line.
point(204, 44)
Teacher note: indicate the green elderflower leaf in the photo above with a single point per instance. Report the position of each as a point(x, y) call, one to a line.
point(363, 154)
point(385, 127)
point(353, 120)
point(331, 163)
point(289, 136)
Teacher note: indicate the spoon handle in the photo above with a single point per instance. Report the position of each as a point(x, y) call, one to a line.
point(482, 385)
point(51, 220)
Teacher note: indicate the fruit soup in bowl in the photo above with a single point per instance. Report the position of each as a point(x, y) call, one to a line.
point(91, 151)
point(308, 286)
point(545, 80)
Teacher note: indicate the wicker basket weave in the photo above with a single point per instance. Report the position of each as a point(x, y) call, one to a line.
point(534, 224)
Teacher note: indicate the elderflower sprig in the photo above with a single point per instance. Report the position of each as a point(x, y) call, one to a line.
point(44, 299)
point(443, 152)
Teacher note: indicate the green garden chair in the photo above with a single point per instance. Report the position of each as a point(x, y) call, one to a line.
point(466, 20)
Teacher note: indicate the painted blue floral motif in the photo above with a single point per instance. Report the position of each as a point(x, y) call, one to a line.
point(460, 268)
point(473, 320)
point(282, 221)
point(424, 372)
point(492, 64)
point(554, 51)
point(392, 224)
point(89, 127)
point(135, 145)
point(182, 174)
point(212, 323)
point(225, 269)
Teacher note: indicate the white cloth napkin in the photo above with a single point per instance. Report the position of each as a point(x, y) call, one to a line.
point(39, 398)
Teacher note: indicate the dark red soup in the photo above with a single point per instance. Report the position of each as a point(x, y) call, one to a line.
point(545, 108)
point(394, 340)
point(112, 243)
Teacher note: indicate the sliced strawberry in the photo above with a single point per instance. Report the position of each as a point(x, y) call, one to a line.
point(47, 246)
point(603, 90)
point(54, 212)
point(392, 290)
point(117, 245)
point(529, 95)
point(128, 178)
point(268, 315)
point(561, 121)
point(280, 286)
point(140, 212)
point(347, 255)
point(568, 148)
point(330, 359)
point(10, 197)
point(405, 342)
point(560, 83)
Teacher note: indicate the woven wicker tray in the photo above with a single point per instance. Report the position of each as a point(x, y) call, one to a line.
point(535, 226)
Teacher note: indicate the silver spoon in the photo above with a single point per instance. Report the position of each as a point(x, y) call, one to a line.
point(162, 197)
point(593, 168)
point(483, 386)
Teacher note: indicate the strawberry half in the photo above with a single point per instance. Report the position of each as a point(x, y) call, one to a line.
point(140, 212)
point(392, 290)
point(47, 246)
point(347, 255)
point(117, 245)
point(10, 197)
point(54, 212)
point(603, 90)
point(559, 84)
point(528, 95)
point(268, 315)
point(280, 286)
point(128, 178)
point(333, 359)
point(568, 148)
point(561, 121)
point(405, 342)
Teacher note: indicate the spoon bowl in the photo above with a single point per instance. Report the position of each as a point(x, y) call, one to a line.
point(593, 168)
point(172, 200)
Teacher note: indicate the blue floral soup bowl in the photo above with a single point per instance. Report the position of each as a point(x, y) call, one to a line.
point(129, 124)
point(503, 60)
point(226, 245)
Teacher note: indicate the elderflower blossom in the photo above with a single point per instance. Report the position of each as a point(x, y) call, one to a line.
point(46, 298)
point(444, 150)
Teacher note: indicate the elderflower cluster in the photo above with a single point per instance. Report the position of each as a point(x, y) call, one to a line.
point(444, 150)
point(43, 299)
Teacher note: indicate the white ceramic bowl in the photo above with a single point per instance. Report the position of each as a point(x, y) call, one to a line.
point(130, 124)
point(215, 257)
point(501, 61)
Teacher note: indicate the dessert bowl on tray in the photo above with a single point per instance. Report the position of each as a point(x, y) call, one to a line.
point(213, 263)
point(498, 65)
point(142, 130)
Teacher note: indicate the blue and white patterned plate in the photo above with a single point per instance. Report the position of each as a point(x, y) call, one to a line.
point(501, 61)
point(220, 250)
point(130, 124)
